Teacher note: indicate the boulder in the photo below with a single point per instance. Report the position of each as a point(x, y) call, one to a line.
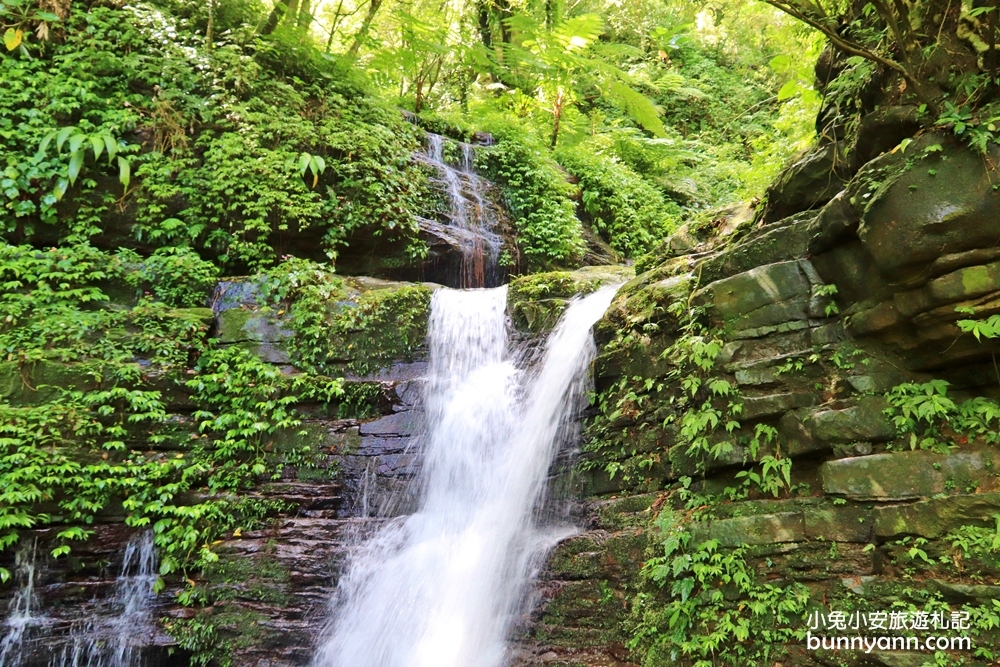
point(535, 302)
point(907, 475)
point(811, 181)
point(933, 518)
point(944, 202)
point(772, 298)
point(759, 529)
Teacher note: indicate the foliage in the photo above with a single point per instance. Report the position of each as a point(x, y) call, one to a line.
point(952, 87)
point(206, 139)
point(334, 334)
point(537, 195)
point(85, 387)
point(555, 285)
point(689, 403)
point(177, 276)
point(699, 623)
point(988, 328)
point(929, 419)
point(625, 209)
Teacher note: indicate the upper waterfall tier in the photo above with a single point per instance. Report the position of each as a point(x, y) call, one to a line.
point(473, 220)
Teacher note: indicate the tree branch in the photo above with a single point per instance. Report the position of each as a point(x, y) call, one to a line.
point(894, 27)
point(855, 49)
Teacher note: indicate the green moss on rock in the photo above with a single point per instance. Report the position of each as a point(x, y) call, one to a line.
point(535, 302)
point(382, 326)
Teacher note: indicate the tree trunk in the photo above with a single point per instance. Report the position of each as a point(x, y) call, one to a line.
point(483, 19)
point(418, 102)
point(305, 15)
point(557, 109)
point(333, 27)
point(211, 24)
point(274, 18)
point(366, 25)
point(293, 11)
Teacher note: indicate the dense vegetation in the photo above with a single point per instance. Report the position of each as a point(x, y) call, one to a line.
point(149, 148)
point(238, 131)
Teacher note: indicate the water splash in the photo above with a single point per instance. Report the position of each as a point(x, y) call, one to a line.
point(442, 587)
point(473, 219)
point(22, 611)
point(117, 641)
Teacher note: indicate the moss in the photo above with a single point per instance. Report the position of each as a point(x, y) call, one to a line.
point(223, 628)
point(627, 512)
point(381, 327)
point(232, 323)
point(360, 400)
point(43, 380)
point(536, 301)
point(585, 613)
point(259, 578)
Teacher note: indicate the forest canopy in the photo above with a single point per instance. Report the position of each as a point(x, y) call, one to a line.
point(230, 125)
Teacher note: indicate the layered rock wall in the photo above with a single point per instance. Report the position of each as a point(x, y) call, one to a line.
point(819, 308)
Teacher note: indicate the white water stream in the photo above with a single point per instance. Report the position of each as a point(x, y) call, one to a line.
point(473, 221)
point(110, 635)
point(442, 587)
point(117, 640)
point(22, 614)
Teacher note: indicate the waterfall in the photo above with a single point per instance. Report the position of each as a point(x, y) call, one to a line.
point(473, 219)
point(442, 587)
point(117, 641)
point(22, 612)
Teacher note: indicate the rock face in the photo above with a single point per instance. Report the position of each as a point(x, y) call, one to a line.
point(806, 318)
point(265, 601)
point(838, 292)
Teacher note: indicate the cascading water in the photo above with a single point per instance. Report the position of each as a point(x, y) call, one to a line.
point(473, 219)
point(442, 587)
point(22, 614)
point(117, 641)
point(110, 635)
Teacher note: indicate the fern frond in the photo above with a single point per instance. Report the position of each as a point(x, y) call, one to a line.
point(639, 107)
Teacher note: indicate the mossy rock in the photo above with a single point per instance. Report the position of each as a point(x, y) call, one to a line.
point(380, 322)
point(535, 302)
point(44, 380)
point(369, 324)
point(933, 518)
point(908, 475)
point(936, 200)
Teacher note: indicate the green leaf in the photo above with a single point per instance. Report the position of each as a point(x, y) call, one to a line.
point(42, 147)
point(788, 90)
point(60, 189)
point(75, 164)
point(577, 33)
point(98, 145)
point(304, 163)
point(76, 141)
point(639, 107)
point(111, 145)
point(780, 63)
point(62, 135)
point(124, 171)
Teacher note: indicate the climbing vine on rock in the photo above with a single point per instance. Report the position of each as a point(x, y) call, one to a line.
point(88, 396)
